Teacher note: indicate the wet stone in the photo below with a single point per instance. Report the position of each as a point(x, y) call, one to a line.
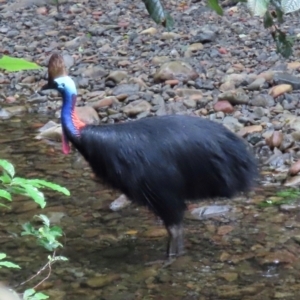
point(263, 101)
point(234, 97)
point(101, 281)
point(12, 33)
point(127, 89)
point(175, 70)
point(136, 107)
point(286, 78)
point(206, 212)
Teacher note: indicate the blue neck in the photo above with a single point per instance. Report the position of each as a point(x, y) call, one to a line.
point(67, 111)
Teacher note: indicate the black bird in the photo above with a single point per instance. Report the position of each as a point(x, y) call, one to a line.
point(162, 161)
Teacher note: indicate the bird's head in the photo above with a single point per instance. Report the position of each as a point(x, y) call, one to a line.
point(56, 69)
point(59, 80)
point(66, 86)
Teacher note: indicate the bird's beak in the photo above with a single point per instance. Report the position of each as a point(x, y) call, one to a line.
point(50, 85)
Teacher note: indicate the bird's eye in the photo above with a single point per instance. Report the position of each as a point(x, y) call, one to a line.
point(63, 85)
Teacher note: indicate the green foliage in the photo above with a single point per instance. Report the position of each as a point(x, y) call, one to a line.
point(158, 14)
point(46, 235)
point(28, 187)
point(7, 264)
point(13, 64)
point(214, 4)
point(283, 197)
point(260, 8)
point(31, 294)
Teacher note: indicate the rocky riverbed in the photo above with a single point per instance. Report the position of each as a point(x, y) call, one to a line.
point(125, 67)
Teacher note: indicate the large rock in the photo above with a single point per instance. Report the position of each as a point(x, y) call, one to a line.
point(234, 97)
point(87, 115)
point(53, 131)
point(286, 78)
point(117, 76)
point(128, 89)
point(136, 107)
point(175, 70)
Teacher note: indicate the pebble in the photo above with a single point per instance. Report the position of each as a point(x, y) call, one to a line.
point(117, 76)
point(101, 281)
point(295, 168)
point(280, 89)
point(127, 89)
point(175, 70)
point(136, 107)
point(286, 78)
point(234, 97)
point(224, 106)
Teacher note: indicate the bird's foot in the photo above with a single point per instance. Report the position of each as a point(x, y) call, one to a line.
point(164, 262)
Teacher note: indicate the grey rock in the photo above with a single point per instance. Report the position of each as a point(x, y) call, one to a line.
point(263, 101)
point(257, 84)
point(234, 97)
point(119, 203)
point(207, 36)
point(286, 78)
point(12, 33)
point(88, 115)
point(232, 123)
point(68, 60)
point(175, 70)
point(127, 89)
point(94, 72)
point(136, 107)
point(190, 103)
point(206, 212)
point(117, 76)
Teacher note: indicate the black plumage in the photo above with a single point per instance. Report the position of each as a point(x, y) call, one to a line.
point(162, 161)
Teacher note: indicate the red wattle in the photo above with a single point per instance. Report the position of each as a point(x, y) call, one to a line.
point(65, 144)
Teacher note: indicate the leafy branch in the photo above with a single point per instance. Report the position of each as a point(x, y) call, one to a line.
point(27, 187)
point(46, 235)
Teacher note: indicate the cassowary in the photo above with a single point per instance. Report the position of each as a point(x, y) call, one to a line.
point(158, 162)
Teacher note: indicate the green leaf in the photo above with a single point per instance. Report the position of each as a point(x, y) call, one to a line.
point(284, 44)
point(7, 166)
point(45, 219)
point(9, 264)
point(6, 195)
point(61, 258)
point(2, 255)
point(56, 231)
point(50, 185)
point(13, 64)
point(28, 293)
point(279, 14)
point(40, 296)
point(214, 4)
point(5, 178)
point(268, 20)
point(157, 13)
point(289, 6)
point(19, 181)
point(258, 7)
point(36, 195)
point(28, 229)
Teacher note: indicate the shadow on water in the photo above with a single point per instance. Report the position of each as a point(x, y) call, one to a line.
point(247, 253)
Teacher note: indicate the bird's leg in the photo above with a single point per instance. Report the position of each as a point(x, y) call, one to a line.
point(175, 245)
point(176, 242)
